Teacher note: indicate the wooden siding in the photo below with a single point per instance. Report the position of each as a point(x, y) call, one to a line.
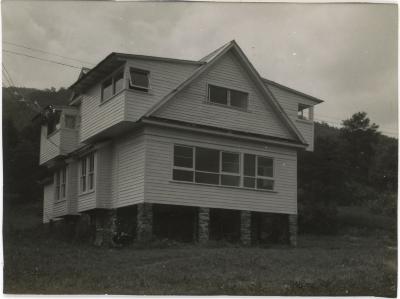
point(190, 105)
point(69, 140)
point(72, 187)
point(97, 116)
point(48, 200)
point(128, 171)
point(159, 188)
point(103, 177)
point(86, 201)
point(49, 147)
point(289, 102)
point(164, 77)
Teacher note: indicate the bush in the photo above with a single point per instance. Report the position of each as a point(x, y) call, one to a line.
point(318, 218)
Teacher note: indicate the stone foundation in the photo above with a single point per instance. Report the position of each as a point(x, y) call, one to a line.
point(204, 222)
point(144, 229)
point(245, 227)
point(293, 230)
point(106, 228)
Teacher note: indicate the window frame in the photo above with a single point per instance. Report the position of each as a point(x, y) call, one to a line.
point(228, 91)
point(138, 87)
point(112, 77)
point(240, 174)
point(257, 176)
point(85, 174)
point(300, 112)
point(61, 183)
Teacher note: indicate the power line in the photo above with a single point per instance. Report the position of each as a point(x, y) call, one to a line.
point(46, 52)
point(43, 59)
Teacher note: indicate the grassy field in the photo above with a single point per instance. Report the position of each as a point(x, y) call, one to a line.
point(356, 262)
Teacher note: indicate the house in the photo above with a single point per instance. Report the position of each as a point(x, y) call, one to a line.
point(159, 145)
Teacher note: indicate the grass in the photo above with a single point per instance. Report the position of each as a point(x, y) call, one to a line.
point(354, 263)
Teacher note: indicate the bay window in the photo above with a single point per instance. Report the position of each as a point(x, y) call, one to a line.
point(87, 173)
point(218, 167)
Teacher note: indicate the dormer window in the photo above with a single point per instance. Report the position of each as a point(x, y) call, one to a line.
point(112, 85)
point(227, 97)
point(304, 112)
point(139, 79)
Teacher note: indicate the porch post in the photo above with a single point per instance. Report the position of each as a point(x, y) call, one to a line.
point(293, 230)
point(203, 227)
point(245, 227)
point(144, 229)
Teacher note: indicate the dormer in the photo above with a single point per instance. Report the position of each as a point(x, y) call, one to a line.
point(59, 132)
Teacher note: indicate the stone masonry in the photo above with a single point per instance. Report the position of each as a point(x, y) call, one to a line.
point(144, 229)
point(293, 230)
point(245, 227)
point(204, 222)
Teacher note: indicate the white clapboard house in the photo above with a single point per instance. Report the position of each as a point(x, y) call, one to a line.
point(199, 140)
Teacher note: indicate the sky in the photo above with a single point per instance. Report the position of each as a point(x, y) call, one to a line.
point(344, 54)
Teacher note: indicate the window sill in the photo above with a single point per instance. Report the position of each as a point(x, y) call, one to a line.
point(305, 121)
point(149, 91)
point(226, 106)
point(60, 201)
point(102, 102)
point(86, 193)
point(53, 133)
point(223, 186)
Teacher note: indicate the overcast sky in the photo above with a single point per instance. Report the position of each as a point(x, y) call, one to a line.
point(345, 54)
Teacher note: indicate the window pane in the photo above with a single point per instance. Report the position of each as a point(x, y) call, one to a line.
point(249, 182)
point(230, 162)
point(238, 99)
point(218, 95)
point(64, 175)
point(265, 184)
point(139, 80)
point(249, 165)
point(118, 81)
point(230, 180)
point(91, 162)
point(265, 166)
point(70, 121)
point(183, 156)
point(207, 159)
point(63, 191)
point(182, 175)
point(83, 183)
point(58, 178)
point(207, 178)
point(91, 181)
point(107, 89)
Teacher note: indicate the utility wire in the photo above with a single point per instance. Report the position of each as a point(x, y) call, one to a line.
point(42, 59)
point(46, 52)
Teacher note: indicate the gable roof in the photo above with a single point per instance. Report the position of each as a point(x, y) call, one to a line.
point(211, 59)
point(269, 82)
point(87, 77)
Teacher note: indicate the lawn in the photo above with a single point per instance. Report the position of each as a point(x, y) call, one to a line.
point(355, 262)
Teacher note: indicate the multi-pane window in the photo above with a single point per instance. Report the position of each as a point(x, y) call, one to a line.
point(112, 85)
point(61, 184)
point(87, 173)
point(216, 167)
point(139, 79)
point(258, 172)
point(228, 97)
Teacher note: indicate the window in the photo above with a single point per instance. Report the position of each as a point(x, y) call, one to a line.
point(61, 184)
point(87, 173)
point(304, 112)
point(258, 172)
point(207, 166)
point(139, 79)
point(70, 121)
point(112, 85)
point(228, 97)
